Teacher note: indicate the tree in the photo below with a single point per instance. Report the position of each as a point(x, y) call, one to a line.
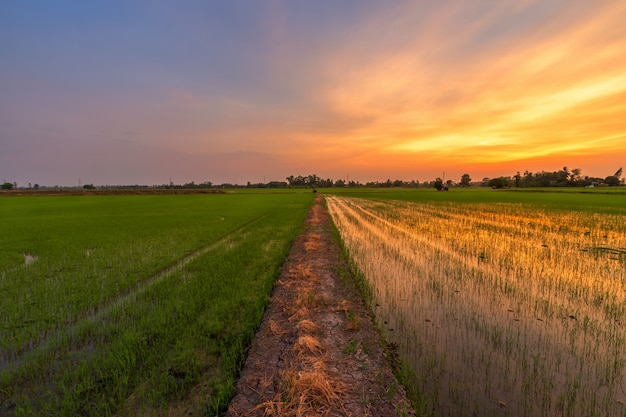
point(499, 182)
point(295, 181)
point(575, 178)
point(7, 186)
point(438, 184)
point(611, 180)
point(313, 180)
point(465, 180)
point(618, 173)
point(527, 180)
point(562, 176)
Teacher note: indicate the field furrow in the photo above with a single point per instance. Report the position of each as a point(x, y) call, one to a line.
point(45, 341)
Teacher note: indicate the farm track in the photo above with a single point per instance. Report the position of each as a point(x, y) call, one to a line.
point(316, 352)
point(46, 341)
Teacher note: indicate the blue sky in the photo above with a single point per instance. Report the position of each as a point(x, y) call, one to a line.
point(137, 92)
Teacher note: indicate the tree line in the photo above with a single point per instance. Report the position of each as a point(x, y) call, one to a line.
point(562, 178)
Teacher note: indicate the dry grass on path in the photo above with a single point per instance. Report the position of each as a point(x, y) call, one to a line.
point(316, 352)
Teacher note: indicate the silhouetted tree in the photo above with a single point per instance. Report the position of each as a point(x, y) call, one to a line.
point(574, 177)
point(562, 176)
point(499, 182)
point(465, 180)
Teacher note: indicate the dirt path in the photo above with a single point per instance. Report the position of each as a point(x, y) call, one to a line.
point(316, 352)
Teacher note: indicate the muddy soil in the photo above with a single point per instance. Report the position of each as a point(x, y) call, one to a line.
point(317, 352)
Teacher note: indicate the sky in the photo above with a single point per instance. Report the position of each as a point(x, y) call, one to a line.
point(144, 91)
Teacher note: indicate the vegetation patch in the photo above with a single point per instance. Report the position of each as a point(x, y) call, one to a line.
point(132, 304)
point(509, 306)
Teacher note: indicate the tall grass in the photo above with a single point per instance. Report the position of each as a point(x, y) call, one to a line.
point(499, 308)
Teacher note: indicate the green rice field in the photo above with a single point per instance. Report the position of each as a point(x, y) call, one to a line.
point(135, 304)
point(500, 303)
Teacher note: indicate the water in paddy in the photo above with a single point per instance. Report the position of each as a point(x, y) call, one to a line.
point(497, 313)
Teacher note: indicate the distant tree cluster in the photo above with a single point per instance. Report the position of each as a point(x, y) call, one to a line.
point(311, 180)
point(315, 181)
point(191, 185)
point(392, 184)
point(562, 178)
point(439, 185)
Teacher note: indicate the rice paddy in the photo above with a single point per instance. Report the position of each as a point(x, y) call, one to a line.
point(513, 305)
point(135, 305)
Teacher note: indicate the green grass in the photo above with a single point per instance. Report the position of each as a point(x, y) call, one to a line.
point(131, 303)
point(600, 200)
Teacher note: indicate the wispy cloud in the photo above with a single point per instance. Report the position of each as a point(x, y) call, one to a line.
point(394, 88)
point(449, 90)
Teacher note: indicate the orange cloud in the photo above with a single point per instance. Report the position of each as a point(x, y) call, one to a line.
point(550, 89)
point(421, 88)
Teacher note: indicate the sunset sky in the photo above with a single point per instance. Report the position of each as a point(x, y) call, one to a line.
point(138, 92)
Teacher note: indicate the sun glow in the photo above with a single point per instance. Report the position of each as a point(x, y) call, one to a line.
point(557, 95)
point(401, 89)
point(541, 124)
point(561, 101)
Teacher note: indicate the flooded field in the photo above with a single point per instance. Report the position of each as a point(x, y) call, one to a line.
point(499, 309)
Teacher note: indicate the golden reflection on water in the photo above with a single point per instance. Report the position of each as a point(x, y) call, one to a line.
point(500, 309)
